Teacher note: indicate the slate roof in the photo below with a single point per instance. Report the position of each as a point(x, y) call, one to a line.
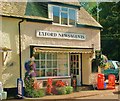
point(70, 2)
point(39, 11)
point(86, 19)
point(22, 10)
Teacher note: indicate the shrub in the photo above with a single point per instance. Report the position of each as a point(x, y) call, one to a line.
point(61, 90)
point(54, 83)
point(69, 89)
point(35, 93)
point(54, 91)
point(41, 92)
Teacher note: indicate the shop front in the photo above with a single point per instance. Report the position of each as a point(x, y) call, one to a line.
point(59, 63)
point(60, 52)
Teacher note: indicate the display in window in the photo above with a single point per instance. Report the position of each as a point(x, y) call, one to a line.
point(52, 64)
point(38, 73)
point(54, 72)
point(49, 72)
point(49, 64)
point(43, 73)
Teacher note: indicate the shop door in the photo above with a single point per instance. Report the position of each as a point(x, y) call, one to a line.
point(75, 67)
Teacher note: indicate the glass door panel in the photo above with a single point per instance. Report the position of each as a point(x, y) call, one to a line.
point(75, 67)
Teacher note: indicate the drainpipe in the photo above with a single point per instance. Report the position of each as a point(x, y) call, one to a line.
point(20, 57)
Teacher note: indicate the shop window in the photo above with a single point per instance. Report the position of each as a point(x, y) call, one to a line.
point(64, 16)
point(51, 64)
point(94, 66)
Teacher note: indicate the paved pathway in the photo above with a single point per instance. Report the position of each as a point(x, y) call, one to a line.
point(77, 95)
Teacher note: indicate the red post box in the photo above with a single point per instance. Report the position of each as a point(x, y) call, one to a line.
point(100, 81)
point(111, 81)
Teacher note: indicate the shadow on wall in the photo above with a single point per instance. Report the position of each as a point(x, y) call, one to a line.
point(10, 72)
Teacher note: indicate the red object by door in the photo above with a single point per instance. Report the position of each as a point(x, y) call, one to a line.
point(100, 81)
point(111, 81)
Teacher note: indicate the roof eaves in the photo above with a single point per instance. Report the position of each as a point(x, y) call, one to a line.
point(65, 4)
point(27, 17)
point(89, 26)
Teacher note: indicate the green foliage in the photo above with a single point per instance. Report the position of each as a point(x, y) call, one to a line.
point(30, 91)
point(64, 90)
point(109, 17)
point(91, 7)
point(61, 90)
point(34, 93)
point(41, 92)
point(28, 81)
point(101, 62)
point(69, 89)
point(54, 83)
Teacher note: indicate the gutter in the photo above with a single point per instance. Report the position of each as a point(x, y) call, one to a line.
point(20, 56)
point(64, 4)
point(28, 18)
point(89, 26)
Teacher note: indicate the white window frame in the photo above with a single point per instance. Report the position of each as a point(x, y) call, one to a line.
point(58, 60)
point(50, 14)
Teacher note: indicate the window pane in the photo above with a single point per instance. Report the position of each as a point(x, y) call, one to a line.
point(38, 73)
point(36, 56)
point(62, 64)
point(72, 17)
point(54, 72)
point(42, 55)
point(43, 72)
point(54, 56)
point(54, 64)
point(56, 11)
point(49, 56)
point(37, 64)
point(64, 17)
point(42, 64)
point(64, 9)
point(49, 64)
point(77, 71)
point(49, 72)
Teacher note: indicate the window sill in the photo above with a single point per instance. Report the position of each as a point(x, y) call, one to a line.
point(53, 77)
point(63, 25)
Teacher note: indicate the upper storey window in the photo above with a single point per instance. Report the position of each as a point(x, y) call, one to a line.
point(64, 16)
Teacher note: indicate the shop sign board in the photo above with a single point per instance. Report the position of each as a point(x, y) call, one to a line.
point(61, 35)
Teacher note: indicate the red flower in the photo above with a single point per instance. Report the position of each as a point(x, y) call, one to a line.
point(60, 83)
point(49, 86)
